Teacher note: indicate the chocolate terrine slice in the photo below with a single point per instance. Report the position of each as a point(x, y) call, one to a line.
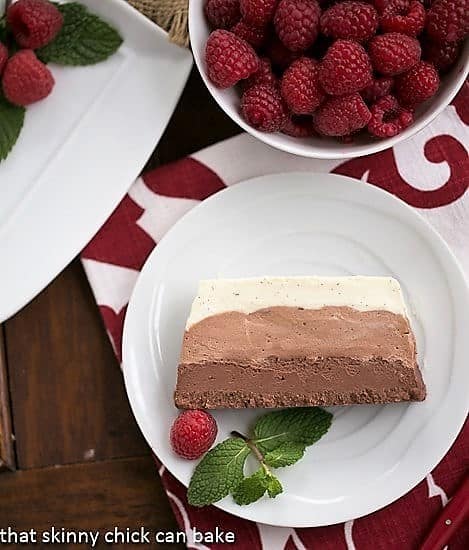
point(296, 341)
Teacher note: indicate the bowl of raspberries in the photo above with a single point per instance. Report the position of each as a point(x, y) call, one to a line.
point(331, 78)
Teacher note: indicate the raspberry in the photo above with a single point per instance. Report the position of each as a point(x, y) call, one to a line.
point(379, 4)
point(263, 108)
point(258, 12)
point(341, 116)
point(263, 75)
point(378, 88)
point(34, 23)
point(448, 20)
point(253, 35)
point(352, 20)
point(299, 127)
point(279, 54)
point(300, 86)
point(193, 433)
point(345, 69)
point(418, 84)
point(229, 58)
point(297, 23)
point(394, 53)
point(3, 56)
point(222, 14)
point(388, 118)
point(441, 54)
point(405, 16)
point(26, 79)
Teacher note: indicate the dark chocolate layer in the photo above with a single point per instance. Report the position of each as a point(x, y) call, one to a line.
point(285, 356)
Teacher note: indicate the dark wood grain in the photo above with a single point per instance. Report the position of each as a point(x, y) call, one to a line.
point(95, 496)
point(196, 123)
point(68, 401)
point(7, 455)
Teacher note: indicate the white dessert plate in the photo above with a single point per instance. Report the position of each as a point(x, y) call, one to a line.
point(81, 149)
point(310, 224)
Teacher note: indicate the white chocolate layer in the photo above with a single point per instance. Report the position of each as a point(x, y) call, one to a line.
point(247, 295)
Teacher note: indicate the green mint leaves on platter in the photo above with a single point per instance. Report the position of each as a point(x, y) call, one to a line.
point(11, 122)
point(84, 39)
point(279, 439)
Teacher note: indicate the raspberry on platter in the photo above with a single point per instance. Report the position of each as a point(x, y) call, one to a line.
point(25, 79)
point(34, 23)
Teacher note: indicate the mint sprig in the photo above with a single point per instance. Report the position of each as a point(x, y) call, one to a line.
point(11, 122)
point(279, 439)
point(84, 39)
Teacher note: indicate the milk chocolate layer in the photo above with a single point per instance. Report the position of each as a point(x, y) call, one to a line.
point(288, 356)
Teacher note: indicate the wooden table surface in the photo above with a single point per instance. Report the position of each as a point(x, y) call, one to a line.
point(66, 428)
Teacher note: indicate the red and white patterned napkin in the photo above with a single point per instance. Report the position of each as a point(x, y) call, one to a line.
point(429, 171)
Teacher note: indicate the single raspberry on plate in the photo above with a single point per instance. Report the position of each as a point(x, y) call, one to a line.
point(300, 86)
point(279, 54)
point(351, 19)
point(297, 23)
point(264, 75)
point(405, 16)
point(3, 56)
point(229, 58)
point(442, 54)
point(380, 87)
point(346, 68)
point(26, 79)
point(193, 433)
point(388, 118)
point(418, 84)
point(222, 14)
point(34, 23)
point(299, 127)
point(448, 20)
point(256, 36)
point(262, 107)
point(394, 53)
point(258, 12)
point(341, 116)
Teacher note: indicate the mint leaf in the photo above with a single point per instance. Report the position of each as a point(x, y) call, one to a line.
point(285, 454)
point(299, 425)
point(218, 473)
point(274, 487)
point(251, 488)
point(84, 39)
point(11, 122)
point(254, 487)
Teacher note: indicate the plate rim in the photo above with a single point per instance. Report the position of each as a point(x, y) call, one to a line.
point(244, 512)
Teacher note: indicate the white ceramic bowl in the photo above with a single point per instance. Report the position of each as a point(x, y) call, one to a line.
point(326, 148)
